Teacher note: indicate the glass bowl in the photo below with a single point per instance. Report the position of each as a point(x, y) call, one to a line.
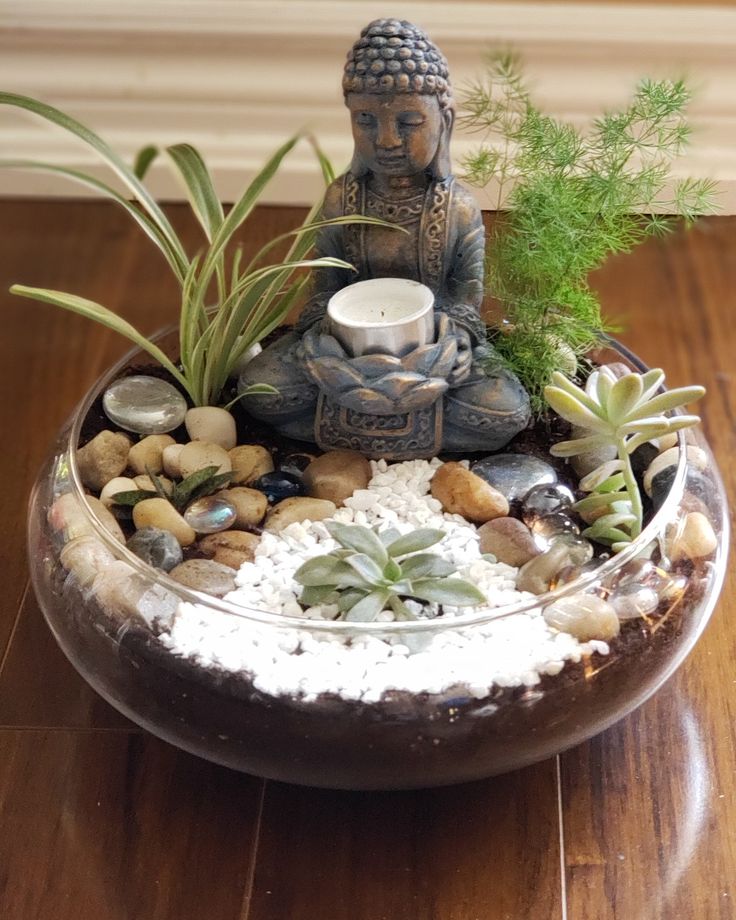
point(368, 705)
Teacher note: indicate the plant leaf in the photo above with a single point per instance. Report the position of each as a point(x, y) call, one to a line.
point(318, 572)
point(426, 565)
point(360, 539)
point(599, 475)
point(366, 567)
point(415, 542)
point(579, 446)
point(105, 317)
point(317, 594)
point(183, 491)
point(132, 497)
point(455, 592)
point(367, 609)
point(623, 398)
point(574, 410)
point(198, 182)
point(143, 160)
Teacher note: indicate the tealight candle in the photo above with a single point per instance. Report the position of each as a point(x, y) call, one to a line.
point(386, 315)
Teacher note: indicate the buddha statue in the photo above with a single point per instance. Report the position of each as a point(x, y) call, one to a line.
point(448, 394)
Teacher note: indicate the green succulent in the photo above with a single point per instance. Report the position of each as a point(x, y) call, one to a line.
point(371, 571)
point(203, 482)
point(625, 413)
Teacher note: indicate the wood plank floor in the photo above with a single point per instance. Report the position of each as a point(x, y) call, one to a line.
point(99, 821)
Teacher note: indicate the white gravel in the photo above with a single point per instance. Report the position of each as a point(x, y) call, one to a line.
point(507, 652)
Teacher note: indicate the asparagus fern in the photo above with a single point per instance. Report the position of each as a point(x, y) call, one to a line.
point(573, 199)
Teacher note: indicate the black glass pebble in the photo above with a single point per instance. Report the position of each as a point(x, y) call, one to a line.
point(642, 457)
point(279, 484)
point(696, 485)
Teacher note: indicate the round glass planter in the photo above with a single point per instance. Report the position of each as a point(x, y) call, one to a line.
point(244, 704)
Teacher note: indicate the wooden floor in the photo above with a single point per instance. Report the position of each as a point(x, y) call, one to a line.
point(99, 821)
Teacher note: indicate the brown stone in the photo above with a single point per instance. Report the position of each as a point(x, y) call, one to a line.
point(336, 475)
point(298, 509)
point(147, 455)
point(250, 462)
point(103, 458)
point(462, 492)
point(205, 575)
point(158, 512)
point(230, 547)
point(509, 540)
point(537, 575)
point(250, 506)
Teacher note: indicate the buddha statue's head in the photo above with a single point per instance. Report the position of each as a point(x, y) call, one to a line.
point(397, 89)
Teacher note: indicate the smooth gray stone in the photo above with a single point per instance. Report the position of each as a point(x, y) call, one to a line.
point(514, 475)
point(156, 547)
point(146, 405)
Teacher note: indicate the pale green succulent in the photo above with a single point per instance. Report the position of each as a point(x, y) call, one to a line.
point(372, 571)
point(625, 413)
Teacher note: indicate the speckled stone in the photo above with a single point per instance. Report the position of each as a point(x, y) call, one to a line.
point(508, 540)
point(250, 462)
point(585, 616)
point(146, 405)
point(103, 458)
point(156, 547)
point(205, 575)
point(514, 475)
point(230, 547)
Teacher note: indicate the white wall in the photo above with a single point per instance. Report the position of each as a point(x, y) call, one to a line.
point(236, 77)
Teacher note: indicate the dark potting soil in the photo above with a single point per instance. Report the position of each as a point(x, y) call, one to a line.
point(404, 740)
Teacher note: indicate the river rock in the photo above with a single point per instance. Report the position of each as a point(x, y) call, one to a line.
point(84, 557)
point(205, 575)
point(334, 476)
point(156, 547)
point(159, 513)
point(145, 405)
point(230, 547)
point(584, 616)
point(147, 455)
point(537, 575)
point(508, 540)
point(103, 458)
point(461, 492)
point(514, 475)
point(145, 484)
point(105, 517)
point(297, 510)
point(197, 455)
point(250, 506)
point(696, 457)
point(210, 514)
point(170, 459)
point(210, 423)
point(118, 484)
point(696, 539)
point(250, 462)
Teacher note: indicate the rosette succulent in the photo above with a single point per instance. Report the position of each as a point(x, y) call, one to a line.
point(625, 413)
point(372, 571)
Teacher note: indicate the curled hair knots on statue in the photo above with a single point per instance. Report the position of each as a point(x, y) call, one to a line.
point(392, 56)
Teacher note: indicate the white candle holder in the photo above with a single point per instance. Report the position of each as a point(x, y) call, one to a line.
point(383, 315)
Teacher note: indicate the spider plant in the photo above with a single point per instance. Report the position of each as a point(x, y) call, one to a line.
point(249, 301)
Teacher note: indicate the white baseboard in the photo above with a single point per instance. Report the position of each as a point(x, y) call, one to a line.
point(236, 77)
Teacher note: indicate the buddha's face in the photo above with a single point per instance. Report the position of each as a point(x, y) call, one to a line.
point(396, 135)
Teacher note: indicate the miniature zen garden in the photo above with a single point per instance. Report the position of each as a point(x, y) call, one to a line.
point(390, 545)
